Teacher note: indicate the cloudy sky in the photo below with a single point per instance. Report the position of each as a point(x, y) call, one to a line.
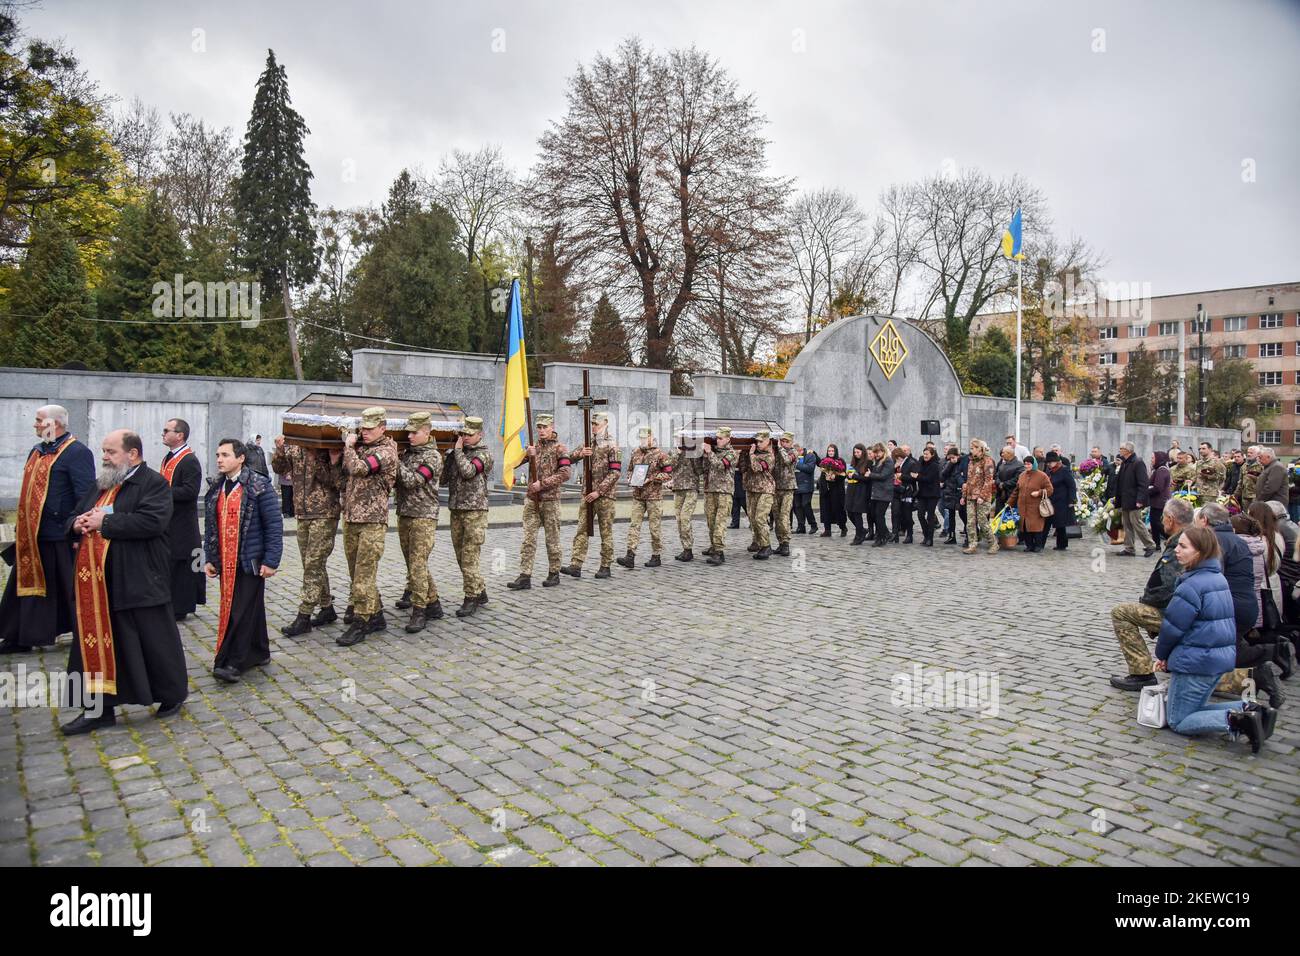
point(1165, 132)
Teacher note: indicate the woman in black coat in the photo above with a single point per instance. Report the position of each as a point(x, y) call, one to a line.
point(882, 492)
point(831, 489)
point(928, 489)
point(1064, 496)
point(857, 491)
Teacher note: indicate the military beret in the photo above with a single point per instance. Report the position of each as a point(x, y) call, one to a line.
point(418, 420)
point(762, 433)
point(600, 416)
point(544, 420)
point(723, 432)
point(473, 424)
point(374, 416)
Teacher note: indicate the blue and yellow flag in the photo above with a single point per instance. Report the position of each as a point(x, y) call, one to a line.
point(1011, 238)
point(514, 415)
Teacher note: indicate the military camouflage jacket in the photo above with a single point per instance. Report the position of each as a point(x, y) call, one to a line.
point(980, 483)
point(688, 471)
point(783, 467)
point(553, 468)
point(1181, 477)
point(1209, 479)
point(1250, 473)
point(606, 465)
point(717, 471)
point(371, 471)
point(661, 471)
point(756, 471)
point(316, 480)
point(466, 477)
point(418, 471)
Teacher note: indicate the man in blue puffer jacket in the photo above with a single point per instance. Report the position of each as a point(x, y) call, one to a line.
point(1198, 644)
point(243, 540)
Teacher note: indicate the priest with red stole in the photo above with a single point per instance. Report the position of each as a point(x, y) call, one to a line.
point(180, 466)
point(127, 648)
point(37, 603)
point(243, 540)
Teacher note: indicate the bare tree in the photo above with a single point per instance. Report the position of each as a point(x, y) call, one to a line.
point(199, 165)
point(479, 191)
point(136, 133)
point(823, 234)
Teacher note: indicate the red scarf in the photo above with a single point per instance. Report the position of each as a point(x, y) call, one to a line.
point(94, 624)
point(228, 536)
point(31, 502)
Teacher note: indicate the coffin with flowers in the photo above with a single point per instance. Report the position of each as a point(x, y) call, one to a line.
point(743, 431)
point(321, 419)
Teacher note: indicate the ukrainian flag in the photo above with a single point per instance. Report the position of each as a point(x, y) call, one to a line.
point(1011, 238)
point(514, 415)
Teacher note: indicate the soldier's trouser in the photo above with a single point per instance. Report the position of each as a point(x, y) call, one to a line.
point(363, 543)
point(781, 503)
point(717, 514)
point(1129, 621)
point(315, 545)
point(468, 530)
point(415, 535)
point(977, 524)
point(604, 518)
point(1234, 682)
point(759, 506)
point(652, 507)
point(1135, 530)
point(685, 504)
point(541, 514)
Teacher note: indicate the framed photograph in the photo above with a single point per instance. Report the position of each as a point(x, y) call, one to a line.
point(639, 473)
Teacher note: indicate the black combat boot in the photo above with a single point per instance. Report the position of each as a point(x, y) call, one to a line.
point(482, 596)
point(716, 558)
point(784, 550)
point(628, 560)
point(653, 562)
point(908, 539)
point(572, 571)
point(326, 615)
point(404, 601)
point(753, 547)
point(467, 608)
point(1249, 723)
point(350, 615)
point(1284, 658)
point(763, 553)
point(355, 634)
point(603, 572)
point(521, 583)
point(433, 611)
point(377, 622)
point(686, 555)
point(416, 624)
point(551, 580)
point(301, 625)
point(1266, 681)
point(858, 538)
point(708, 552)
point(1267, 716)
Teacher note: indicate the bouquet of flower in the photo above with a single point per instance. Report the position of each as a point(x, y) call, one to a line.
point(1191, 497)
point(1006, 522)
point(1295, 470)
point(1088, 466)
point(1105, 518)
point(1093, 484)
point(1229, 502)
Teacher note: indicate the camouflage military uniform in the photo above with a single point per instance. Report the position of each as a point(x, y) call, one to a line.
point(316, 483)
point(605, 468)
point(466, 477)
point(418, 471)
point(688, 482)
point(719, 488)
point(1208, 483)
point(760, 488)
point(542, 509)
point(647, 499)
point(978, 491)
point(783, 472)
point(1181, 477)
point(370, 470)
point(1250, 473)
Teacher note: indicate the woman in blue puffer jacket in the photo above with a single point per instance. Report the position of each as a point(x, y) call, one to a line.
point(1198, 645)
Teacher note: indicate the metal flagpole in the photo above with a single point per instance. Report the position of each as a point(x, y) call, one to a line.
point(1019, 305)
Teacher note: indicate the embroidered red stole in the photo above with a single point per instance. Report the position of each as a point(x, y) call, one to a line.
point(94, 625)
point(228, 536)
point(169, 466)
point(31, 502)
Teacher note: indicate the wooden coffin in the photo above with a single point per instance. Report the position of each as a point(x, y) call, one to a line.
point(320, 419)
point(743, 431)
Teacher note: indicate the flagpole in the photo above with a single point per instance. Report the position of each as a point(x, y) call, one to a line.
point(1019, 306)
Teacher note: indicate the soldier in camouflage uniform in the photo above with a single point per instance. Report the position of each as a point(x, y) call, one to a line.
point(688, 483)
point(756, 466)
point(317, 477)
point(977, 495)
point(783, 472)
point(647, 498)
point(418, 471)
point(603, 458)
point(1182, 474)
point(1210, 474)
point(370, 469)
point(466, 476)
point(719, 488)
point(550, 459)
point(1250, 473)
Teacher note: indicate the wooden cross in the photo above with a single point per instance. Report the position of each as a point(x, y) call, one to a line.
point(587, 402)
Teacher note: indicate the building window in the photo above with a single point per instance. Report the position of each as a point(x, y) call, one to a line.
point(1167, 355)
point(1270, 408)
point(1164, 409)
point(1271, 437)
point(1108, 332)
point(1234, 323)
point(1137, 330)
point(1270, 350)
point(1271, 321)
point(1234, 351)
point(1297, 347)
point(1204, 325)
point(1168, 328)
point(1270, 378)
point(1112, 358)
point(1295, 439)
point(1297, 407)
point(1195, 352)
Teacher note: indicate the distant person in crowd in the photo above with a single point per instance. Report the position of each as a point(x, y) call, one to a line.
point(1132, 488)
point(929, 488)
point(805, 469)
point(1272, 482)
point(256, 457)
point(882, 492)
point(830, 489)
point(1158, 492)
point(1064, 495)
point(857, 491)
point(1032, 486)
point(1008, 473)
point(951, 478)
point(900, 509)
point(977, 496)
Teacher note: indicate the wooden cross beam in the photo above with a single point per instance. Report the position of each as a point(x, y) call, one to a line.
point(587, 402)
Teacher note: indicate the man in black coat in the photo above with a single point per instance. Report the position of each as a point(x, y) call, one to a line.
point(181, 468)
point(1131, 490)
point(128, 650)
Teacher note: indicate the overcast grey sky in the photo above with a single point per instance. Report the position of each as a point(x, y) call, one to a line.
point(1139, 148)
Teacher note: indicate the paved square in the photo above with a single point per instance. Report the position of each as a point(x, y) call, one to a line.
point(684, 715)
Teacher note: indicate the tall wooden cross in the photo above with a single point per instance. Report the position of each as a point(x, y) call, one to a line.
point(587, 402)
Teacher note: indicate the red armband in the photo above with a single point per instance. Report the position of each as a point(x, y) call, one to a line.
point(615, 466)
point(426, 471)
point(478, 465)
point(373, 462)
point(563, 463)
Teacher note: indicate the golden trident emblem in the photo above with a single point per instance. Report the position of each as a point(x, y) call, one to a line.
point(888, 349)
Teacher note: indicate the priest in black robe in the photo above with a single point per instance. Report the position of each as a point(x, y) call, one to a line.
point(127, 648)
point(182, 469)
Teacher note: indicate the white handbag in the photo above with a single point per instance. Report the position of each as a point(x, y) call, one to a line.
point(1152, 706)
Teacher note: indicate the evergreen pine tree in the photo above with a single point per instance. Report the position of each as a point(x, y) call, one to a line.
point(607, 342)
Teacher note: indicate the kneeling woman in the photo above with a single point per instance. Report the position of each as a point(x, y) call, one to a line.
point(1198, 644)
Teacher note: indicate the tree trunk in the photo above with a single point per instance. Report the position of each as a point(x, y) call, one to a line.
point(293, 329)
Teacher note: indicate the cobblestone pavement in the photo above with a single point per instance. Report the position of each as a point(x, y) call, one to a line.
point(685, 715)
